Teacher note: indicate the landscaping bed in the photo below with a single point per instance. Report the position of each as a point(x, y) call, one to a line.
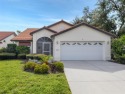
point(14, 80)
point(42, 64)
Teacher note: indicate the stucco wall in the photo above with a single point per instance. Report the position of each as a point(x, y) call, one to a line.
point(59, 27)
point(7, 41)
point(83, 33)
point(37, 35)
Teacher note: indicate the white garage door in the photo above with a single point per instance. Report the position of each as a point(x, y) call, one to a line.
point(81, 50)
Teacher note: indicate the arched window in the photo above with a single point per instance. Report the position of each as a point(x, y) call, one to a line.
point(44, 46)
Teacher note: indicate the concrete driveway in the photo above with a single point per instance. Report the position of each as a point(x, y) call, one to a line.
point(95, 77)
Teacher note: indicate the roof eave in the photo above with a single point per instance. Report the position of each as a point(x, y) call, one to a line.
point(107, 33)
point(42, 29)
point(8, 36)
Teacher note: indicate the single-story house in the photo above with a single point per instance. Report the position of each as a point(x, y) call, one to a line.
point(5, 38)
point(70, 42)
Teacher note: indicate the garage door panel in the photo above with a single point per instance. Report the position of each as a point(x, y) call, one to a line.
point(79, 51)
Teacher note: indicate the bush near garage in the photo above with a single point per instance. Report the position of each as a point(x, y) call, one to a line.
point(118, 49)
point(122, 59)
point(58, 67)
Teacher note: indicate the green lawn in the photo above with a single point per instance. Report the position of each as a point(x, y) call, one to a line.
point(13, 80)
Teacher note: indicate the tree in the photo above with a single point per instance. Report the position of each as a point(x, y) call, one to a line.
point(102, 18)
point(118, 6)
point(99, 17)
point(77, 20)
point(118, 49)
point(18, 32)
point(85, 18)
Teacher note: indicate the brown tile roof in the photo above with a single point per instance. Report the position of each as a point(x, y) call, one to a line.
point(25, 35)
point(5, 34)
point(105, 32)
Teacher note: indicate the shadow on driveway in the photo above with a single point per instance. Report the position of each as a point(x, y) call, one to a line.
point(105, 66)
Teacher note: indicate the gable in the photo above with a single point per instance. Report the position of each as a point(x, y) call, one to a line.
point(42, 33)
point(60, 27)
point(83, 33)
point(5, 34)
point(87, 25)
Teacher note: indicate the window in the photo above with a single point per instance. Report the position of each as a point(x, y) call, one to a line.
point(74, 44)
point(63, 43)
point(95, 43)
point(100, 43)
point(89, 43)
point(68, 43)
point(84, 43)
point(78, 43)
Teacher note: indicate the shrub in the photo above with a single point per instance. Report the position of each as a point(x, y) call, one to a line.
point(45, 58)
point(3, 50)
point(11, 48)
point(4, 56)
point(58, 66)
point(41, 69)
point(23, 49)
point(38, 56)
point(118, 48)
point(41, 57)
point(29, 66)
point(29, 56)
point(21, 56)
point(122, 59)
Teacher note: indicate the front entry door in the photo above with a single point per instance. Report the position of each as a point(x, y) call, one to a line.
point(47, 48)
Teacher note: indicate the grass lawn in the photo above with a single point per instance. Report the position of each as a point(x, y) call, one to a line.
point(13, 80)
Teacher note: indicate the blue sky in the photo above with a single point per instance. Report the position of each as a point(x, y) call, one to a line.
point(22, 14)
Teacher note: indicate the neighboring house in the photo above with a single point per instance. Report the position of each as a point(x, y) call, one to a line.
point(5, 38)
point(72, 42)
point(24, 38)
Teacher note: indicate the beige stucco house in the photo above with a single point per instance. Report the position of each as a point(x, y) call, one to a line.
point(72, 42)
point(5, 38)
point(67, 42)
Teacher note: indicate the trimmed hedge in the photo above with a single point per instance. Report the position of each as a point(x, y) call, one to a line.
point(21, 56)
point(4, 56)
point(30, 56)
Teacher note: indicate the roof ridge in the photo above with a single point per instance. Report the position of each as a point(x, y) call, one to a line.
point(32, 28)
point(60, 22)
point(7, 31)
